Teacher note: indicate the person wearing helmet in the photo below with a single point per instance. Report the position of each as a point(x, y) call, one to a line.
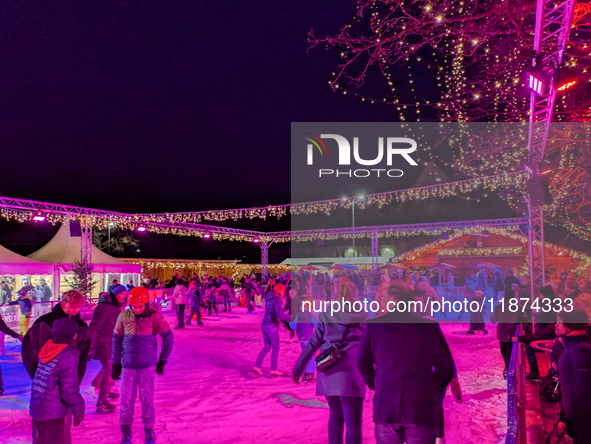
point(101, 329)
point(134, 359)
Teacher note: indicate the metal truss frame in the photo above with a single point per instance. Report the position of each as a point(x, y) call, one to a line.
point(553, 24)
point(432, 226)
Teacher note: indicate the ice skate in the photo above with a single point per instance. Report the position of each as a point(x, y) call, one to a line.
point(150, 436)
point(258, 371)
point(126, 432)
point(275, 373)
point(92, 392)
point(105, 407)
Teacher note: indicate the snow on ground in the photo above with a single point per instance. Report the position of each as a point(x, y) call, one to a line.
point(208, 392)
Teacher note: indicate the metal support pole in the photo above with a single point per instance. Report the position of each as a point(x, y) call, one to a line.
point(86, 245)
point(375, 253)
point(264, 259)
point(353, 223)
point(552, 29)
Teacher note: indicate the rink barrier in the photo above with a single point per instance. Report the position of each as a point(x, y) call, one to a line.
point(11, 313)
point(516, 397)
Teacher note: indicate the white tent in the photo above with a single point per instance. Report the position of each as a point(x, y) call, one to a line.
point(63, 249)
point(15, 264)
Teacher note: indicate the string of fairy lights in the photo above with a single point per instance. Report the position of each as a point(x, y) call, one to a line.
point(161, 223)
point(507, 232)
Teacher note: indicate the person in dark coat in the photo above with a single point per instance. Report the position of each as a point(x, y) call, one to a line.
point(341, 383)
point(44, 292)
point(100, 332)
point(40, 332)
point(511, 280)
point(506, 328)
point(574, 373)
point(7, 331)
point(270, 328)
point(5, 293)
point(26, 307)
point(477, 316)
point(544, 329)
point(406, 360)
point(56, 388)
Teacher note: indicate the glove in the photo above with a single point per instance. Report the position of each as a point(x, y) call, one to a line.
point(160, 367)
point(77, 420)
point(116, 371)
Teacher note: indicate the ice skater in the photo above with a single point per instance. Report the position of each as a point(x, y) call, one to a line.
point(56, 389)
point(304, 325)
point(211, 301)
point(225, 292)
point(195, 302)
point(100, 332)
point(134, 360)
point(476, 316)
point(270, 327)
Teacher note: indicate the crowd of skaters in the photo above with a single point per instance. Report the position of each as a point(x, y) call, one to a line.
point(402, 357)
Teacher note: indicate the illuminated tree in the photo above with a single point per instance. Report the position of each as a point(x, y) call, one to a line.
point(476, 54)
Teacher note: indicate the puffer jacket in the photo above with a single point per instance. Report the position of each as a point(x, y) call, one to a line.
point(40, 333)
point(56, 389)
point(195, 298)
point(102, 326)
point(273, 311)
point(134, 339)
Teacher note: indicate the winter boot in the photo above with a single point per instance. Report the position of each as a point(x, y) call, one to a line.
point(126, 431)
point(150, 436)
point(104, 407)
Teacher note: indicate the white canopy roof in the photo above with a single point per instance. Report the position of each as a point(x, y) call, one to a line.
point(63, 249)
point(15, 264)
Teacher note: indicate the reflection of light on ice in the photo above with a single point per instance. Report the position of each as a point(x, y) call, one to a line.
point(208, 392)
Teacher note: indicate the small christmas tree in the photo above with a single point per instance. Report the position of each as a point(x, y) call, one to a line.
point(82, 279)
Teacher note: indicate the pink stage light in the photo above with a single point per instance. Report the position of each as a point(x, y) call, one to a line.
point(39, 218)
point(256, 240)
point(207, 235)
point(142, 229)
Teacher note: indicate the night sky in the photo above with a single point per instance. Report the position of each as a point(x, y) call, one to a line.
point(162, 106)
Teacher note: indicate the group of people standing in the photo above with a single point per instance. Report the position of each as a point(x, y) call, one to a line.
point(198, 295)
point(401, 356)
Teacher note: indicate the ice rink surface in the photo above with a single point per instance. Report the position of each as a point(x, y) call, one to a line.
point(209, 394)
